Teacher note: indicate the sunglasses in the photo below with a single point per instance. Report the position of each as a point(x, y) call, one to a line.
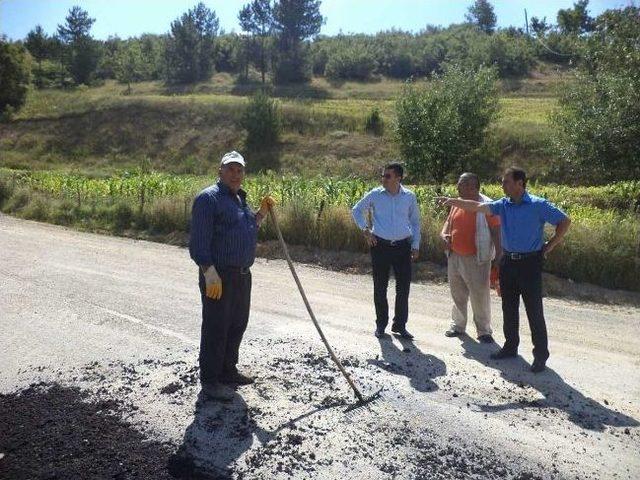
point(386, 175)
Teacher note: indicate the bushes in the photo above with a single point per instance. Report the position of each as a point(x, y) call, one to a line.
point(263, 122)
point(373, 123)
point(15, 76)
point(6, 190)
point(402, 55)
point(441, 124)
point(353, 63)
point(598, 125)
point(122, 216)
point(598, 134)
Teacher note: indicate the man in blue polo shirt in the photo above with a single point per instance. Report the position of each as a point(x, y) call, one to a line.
point(394, 238)
point(223, 245)
point(522, 217)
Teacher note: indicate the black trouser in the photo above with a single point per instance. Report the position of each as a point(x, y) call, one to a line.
point(523, 277)
point(383, 258)
point(224, 322)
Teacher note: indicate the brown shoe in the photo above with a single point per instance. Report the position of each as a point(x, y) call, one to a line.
point(237, 378)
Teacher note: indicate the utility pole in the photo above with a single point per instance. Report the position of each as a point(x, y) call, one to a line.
point(526, 21)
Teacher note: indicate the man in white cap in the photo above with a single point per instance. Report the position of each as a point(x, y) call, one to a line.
point(223, 244)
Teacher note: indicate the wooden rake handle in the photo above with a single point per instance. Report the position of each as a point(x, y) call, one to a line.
point(308, 305)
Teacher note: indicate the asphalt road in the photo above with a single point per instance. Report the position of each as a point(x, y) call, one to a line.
point(119, 318)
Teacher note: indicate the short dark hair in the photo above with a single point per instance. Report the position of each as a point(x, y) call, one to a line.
point(468, 176)
point(517, 174)
point(396, 167)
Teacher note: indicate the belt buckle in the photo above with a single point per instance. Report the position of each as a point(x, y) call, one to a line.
point(392, 243)
point(516, 256)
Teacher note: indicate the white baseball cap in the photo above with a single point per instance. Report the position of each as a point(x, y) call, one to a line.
point(232, 157)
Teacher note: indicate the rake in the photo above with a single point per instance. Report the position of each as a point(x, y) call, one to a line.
point(361, 399)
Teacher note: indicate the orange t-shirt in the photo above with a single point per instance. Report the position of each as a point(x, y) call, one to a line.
point(463, 230)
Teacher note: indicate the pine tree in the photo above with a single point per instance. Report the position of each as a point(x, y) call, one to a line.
point(257, 18)
point(190, 53)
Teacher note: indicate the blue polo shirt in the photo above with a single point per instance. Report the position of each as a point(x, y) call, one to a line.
point(522, 224)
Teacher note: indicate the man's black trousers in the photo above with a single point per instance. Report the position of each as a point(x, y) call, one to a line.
point(523, 277)
point(224, 322)
point(384, 257)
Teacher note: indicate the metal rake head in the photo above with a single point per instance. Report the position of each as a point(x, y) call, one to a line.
point(364, 401)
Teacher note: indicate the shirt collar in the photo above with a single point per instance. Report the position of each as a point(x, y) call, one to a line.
point(384, 190)
point(222, 188)
point(525, 198)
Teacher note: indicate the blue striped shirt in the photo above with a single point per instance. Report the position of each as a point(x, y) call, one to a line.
point(224, 231)
point(395, 217)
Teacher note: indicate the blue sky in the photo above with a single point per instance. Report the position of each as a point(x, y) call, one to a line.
point(127, 18)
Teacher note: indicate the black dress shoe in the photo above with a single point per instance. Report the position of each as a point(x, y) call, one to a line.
point(502, 353)
point(452, 333)
point(380, 333)
point(402, 331)
point(486, 338)
point(538, 366)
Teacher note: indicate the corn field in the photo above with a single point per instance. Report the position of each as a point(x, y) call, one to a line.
point(619, 197)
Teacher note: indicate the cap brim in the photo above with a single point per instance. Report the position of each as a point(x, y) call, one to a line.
point(227, 162)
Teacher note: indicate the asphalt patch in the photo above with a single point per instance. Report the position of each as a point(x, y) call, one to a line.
point(50, 431)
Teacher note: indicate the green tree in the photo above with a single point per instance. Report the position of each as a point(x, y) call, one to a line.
point(442, 123)
point(256, 18)
point(482, 15)
point(110, 50)
point(576, 20)
point(539, 26)
point(77, 26)
point(191, 46)
point(82, 52)
point(153, 47)
point(598, 124)
point(15, 76)
point(295, 21)
point(61, 53)
point(130, 64)
point(37, 42)
point(262, 121)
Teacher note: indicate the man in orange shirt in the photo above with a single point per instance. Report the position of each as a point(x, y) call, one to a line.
point(472, 242)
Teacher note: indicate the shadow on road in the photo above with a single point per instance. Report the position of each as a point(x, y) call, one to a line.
point(221, 433)
point(408, 360)
point(582, 410)
point(218, 435)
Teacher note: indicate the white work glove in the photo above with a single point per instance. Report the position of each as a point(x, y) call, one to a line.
point(213, 283)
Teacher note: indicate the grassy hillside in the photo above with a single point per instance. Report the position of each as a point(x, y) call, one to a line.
point(184, 130)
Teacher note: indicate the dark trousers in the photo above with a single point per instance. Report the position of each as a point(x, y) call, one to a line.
point(523, 277)
point(224, 322)
point(383, 258)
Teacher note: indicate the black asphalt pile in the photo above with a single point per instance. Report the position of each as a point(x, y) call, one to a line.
point(50, 431)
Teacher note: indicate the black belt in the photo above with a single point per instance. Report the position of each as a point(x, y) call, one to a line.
point(521, 256)
point(392, 243)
